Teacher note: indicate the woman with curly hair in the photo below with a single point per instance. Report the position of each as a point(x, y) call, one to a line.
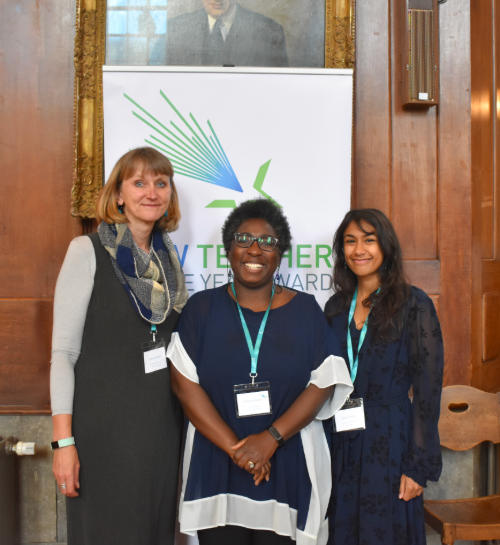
point(390, 335)
point(256, 369)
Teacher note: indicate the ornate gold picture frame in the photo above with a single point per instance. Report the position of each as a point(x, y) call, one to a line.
point(90, 42)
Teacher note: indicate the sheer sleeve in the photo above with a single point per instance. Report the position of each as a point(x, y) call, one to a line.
point(329, 367)
point(188, 336)
point(422, 461)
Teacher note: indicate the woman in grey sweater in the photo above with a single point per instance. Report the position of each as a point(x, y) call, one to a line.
point(117, 428)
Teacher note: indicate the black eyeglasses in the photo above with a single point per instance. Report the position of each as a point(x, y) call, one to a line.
point(244, 240)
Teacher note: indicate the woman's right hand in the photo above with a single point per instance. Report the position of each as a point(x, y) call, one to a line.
point(264, 473)
point(66, 469)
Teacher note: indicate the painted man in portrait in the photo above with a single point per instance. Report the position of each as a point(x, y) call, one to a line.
point(222, 33)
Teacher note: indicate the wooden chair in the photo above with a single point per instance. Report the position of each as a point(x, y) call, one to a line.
point(468, 417)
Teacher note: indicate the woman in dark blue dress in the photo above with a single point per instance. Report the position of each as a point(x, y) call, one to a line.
point(390, 335)
point(280, 446)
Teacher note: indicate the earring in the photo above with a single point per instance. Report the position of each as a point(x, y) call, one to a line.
point(345, 265)
point(120, 208)
point(230, 275)
point(277, 277)
point(166, 213)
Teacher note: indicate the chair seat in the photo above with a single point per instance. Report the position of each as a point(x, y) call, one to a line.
point(467, 516)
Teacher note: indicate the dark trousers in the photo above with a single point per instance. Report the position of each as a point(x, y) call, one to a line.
point(236, 535)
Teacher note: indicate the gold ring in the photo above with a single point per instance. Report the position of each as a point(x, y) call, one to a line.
point(251, 465)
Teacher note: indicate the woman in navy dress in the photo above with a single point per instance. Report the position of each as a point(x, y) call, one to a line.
point(280, 446)
point(379, 473)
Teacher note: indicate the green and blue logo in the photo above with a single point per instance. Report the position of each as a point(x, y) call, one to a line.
point(196, 153)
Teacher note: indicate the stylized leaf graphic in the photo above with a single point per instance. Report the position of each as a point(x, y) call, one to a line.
point(193, 153)
point(259, 182)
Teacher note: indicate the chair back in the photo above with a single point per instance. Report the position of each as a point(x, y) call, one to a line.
point(468, 417)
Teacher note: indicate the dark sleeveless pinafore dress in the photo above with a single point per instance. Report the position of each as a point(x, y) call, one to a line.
point(127, 425)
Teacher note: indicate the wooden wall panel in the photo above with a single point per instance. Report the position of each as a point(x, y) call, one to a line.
point(490, 276)
point(485, 32)
point(482, 115)
point(414, 157)
point(490, 376)
point(422, 177)
point(487, 366)
point(485, 53)
point(415, 182)
point(424, 274)
point(435, 300)
point(36, 116)
point(491, 322)
point(455, 198)
point(496, 126)
point(372, 124)
point(25, 339)
point(415, 165)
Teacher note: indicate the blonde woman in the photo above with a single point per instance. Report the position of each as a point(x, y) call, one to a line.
point(117, 427)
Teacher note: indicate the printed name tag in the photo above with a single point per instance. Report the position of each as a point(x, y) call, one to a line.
point(253, 399)
point(351, 416)
point(155, 357)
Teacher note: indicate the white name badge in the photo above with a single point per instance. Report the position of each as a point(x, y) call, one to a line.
point(253, 399)
point(351, 416)
point(155, 357)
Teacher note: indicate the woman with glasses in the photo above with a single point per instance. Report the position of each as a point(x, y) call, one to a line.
point(256, 369)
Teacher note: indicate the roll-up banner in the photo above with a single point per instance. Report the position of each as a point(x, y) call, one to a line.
point(235, 135)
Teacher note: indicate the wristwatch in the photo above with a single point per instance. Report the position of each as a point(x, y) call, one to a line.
point(62, 443)
point(276, 434)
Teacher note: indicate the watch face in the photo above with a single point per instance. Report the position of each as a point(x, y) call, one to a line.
point(275, 433)
point(280, 439)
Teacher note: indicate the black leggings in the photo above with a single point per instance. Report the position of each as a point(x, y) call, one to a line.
point(236, 535)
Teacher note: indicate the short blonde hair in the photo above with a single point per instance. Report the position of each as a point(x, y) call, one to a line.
point(152, 161)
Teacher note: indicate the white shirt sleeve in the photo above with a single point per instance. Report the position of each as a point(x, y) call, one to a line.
point(177, 354)
point(71, 300)
point(333, 371)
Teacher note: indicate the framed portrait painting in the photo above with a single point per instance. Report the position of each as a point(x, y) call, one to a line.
point(231, 33)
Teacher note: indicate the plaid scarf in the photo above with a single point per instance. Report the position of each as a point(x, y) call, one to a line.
point(154, 282)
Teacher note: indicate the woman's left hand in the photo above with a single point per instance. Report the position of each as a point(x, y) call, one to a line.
point(256, 449)
point(409, 489)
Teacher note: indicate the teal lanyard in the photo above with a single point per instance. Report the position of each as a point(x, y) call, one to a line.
point(354, 366)
point(254, 351)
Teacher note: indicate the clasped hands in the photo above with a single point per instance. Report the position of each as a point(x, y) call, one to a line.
point(260, 447)
point(258, 450)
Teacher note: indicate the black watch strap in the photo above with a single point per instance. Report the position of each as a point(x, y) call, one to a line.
point(276, 434)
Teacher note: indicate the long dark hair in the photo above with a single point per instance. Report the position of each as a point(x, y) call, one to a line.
point(386, 319)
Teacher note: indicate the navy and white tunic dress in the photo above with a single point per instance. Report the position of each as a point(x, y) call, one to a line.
point(298, 348)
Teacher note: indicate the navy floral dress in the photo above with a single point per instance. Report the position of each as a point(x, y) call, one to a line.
point(400, 437)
